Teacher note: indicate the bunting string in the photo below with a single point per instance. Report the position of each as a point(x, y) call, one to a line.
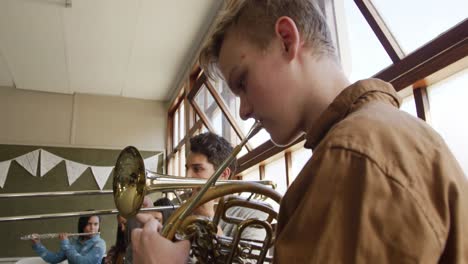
point(46, 161)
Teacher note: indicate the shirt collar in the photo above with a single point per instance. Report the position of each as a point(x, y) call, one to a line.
point(350, 99)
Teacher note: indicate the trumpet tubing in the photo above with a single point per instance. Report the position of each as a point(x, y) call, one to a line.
point(80, 213)
point(170, 228)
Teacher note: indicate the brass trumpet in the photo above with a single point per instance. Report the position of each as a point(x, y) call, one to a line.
point(129, 190)
point(207, 245)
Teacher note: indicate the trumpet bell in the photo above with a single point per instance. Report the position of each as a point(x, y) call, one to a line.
point(129, 182)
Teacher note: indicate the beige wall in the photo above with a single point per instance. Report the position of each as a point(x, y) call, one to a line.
point(38, 118)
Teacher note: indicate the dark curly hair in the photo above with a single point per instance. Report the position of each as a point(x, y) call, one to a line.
point(215, 148)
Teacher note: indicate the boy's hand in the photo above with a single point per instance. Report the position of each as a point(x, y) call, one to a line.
point(150, 247)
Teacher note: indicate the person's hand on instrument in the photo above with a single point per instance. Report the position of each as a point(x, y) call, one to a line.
point(35, 239)
point(150, 247)
point(63, 236)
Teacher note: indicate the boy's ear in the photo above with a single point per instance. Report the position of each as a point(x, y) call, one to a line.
point(288, 33)
point(226, 173)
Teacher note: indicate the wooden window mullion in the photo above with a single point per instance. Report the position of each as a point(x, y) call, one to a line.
point(261, 172)
point(288, 166)
point(421, 100)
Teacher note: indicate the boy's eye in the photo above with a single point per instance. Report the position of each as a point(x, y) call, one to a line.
point(241, 83)
point(241, 87)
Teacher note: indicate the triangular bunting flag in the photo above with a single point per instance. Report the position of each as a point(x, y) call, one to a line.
point(74, 170)
point(29, 161)
point(151, 163)
point(101, 174)
point(4, 166)
point(48, 161)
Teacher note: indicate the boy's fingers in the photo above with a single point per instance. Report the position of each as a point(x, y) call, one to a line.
point(152, 226)
point(147, 202)
point(148, 223)
point(144, 218)
point(136, 234)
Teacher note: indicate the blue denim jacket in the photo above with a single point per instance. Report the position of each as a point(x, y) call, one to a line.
point(75, 251)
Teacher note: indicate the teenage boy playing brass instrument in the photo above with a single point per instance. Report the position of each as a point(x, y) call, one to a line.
point(381, 186)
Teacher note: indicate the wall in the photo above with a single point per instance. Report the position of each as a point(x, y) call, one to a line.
point(20, 181)
point(83, 128)
point(38, 118)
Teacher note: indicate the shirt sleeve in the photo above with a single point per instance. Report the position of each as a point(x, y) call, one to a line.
point(253, 232)
point(93, 256)
point(244, 213)
point(48, 256)
point(355, 211)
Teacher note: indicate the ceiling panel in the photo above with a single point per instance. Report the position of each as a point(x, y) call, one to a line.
point(99, 37)
point(31, 42)
point(166, 36)
point(136, 48)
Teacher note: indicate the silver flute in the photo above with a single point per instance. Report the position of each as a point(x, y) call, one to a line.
point(54, 235)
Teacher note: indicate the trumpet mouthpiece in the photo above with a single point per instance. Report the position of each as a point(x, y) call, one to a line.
point(255, 129)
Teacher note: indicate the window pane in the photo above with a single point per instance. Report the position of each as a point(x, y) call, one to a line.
point(242, 152)
point(409, 105)
point(299, 159)
point(261, 137)
point(203, 98)
point(276, 172)
point(448, 114)
point(416, 22)
point(182, 161)
point(202, 129)
point(252, 175)
point(216, 120)
point(367, 54)
point(233, 104)
point(182, 121)
point(175, 138)
point(170, 166)
point(176, 164)
point(216, 117)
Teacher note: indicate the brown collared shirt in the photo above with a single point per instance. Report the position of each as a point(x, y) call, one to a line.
point(381, 187)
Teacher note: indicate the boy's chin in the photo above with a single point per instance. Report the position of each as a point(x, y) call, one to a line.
point(284, 140)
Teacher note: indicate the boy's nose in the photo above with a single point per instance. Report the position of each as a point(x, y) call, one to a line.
point(245, 109)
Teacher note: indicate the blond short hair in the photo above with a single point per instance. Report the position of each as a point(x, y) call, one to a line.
point(256, 19)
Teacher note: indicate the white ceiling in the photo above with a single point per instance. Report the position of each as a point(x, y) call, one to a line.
point(131, 48)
